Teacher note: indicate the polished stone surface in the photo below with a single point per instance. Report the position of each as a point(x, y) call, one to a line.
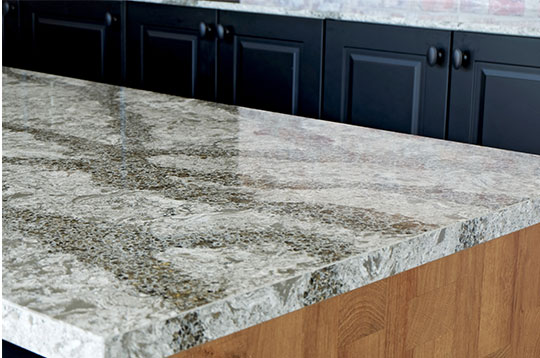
point(138, 224)
point(470, 15)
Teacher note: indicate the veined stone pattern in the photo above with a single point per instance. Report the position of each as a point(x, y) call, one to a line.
point(138, 224)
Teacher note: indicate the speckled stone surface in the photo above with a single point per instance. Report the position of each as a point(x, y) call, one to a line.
point(470, 15)
point(138, 224)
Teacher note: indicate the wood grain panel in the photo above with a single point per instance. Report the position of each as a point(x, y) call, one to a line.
point(440, 347)
point(400, 292)
point(362, 313)
point(320, 336)
point(279, 330)
point(438, 274)
point(233, 346)
point(497, 296)
point(482, 302)
point(525, 337)
point(371, 346)
point(430, 316)
point(468, 301)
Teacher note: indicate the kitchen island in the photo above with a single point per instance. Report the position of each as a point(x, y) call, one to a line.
point(138, 224)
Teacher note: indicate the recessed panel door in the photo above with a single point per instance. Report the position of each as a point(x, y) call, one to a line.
point(167, 52)
point(74, 38)
point(495, 95)
point(386, 77)
point(270, 62)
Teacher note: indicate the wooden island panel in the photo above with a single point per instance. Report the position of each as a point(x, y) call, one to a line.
point(480, 302)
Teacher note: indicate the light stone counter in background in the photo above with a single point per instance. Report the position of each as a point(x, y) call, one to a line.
point(509, 17)
point(138, 224)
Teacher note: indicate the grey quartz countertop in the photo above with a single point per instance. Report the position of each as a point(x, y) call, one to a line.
point(138, 224)
point(406, 13)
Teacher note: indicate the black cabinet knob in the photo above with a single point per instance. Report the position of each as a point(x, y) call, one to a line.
point(460, 58)
point(110, 19)
point(435, 56)
point(5, 8)
point(206, 31)
point(224, 32)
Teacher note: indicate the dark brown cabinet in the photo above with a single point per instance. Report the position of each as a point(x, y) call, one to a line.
point(386, 77)
point(166, 51)
point(73, 38)
point(270, 62)
point(495, 93)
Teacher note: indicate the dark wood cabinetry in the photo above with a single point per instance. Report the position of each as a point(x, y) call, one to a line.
point(73, 38)
point(10, 33)
point(495, 93)
point(270, 62)
point(382, 77)
point(166, 52)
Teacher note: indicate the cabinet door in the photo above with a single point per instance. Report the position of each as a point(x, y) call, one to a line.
point(379, 76)
point(10, 33)
point(270, 62)
point(74, 38)
point(166, 52)
point(495, 94)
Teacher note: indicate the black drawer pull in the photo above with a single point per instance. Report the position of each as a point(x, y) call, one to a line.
point(206, 31)
point(460, 59)
point(435, 56)
point(110, 19)
point(224, 32)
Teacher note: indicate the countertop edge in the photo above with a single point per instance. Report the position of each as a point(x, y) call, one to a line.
point(244, 310)
point(247, 309)
point(449, 21)
point(32, 330)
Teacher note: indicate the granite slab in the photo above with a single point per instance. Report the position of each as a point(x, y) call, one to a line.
point(138, 224)
point(469, 16)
